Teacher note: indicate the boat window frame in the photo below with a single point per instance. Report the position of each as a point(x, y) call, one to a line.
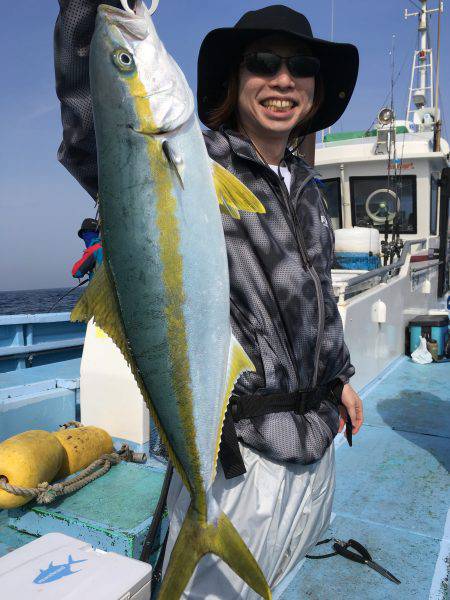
point(338, 181)
point(413, 178)
point(434, 177)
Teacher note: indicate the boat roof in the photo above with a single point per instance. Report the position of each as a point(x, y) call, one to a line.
point(351, 135)
point(358, 146)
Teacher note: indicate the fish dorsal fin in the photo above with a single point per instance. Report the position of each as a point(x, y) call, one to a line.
point(238, 362)
point(232, 194)
point(100, 302)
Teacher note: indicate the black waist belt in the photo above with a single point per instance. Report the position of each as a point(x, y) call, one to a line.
point(247, 407)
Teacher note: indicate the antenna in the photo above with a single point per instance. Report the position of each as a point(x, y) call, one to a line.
point(332, 37)
point(421, 107)
point(437, 129)
point(392, 55)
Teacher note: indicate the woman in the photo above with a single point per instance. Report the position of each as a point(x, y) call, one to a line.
point(262, 86)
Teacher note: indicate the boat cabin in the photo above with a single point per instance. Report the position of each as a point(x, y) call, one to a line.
point(365, 183)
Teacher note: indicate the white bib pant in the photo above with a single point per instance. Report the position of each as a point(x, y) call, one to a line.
point(281, 510)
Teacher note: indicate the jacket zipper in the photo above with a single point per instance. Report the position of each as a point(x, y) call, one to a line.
point(307, 263)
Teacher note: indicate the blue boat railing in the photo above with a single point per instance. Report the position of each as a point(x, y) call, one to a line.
point(386, 271)
point(32, 340)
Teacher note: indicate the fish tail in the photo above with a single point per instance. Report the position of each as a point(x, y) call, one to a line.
point(197, 538)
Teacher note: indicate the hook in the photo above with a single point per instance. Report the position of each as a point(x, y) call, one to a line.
point(126, 6)
point(154, 6)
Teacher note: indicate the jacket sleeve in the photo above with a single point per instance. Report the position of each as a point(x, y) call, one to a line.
point(347, 370)
point(85, 264)
point(73, 32)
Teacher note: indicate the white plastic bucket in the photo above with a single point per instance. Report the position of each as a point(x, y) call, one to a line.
point(357, 239)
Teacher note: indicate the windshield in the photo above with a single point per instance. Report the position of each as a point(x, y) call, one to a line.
point(375, 198)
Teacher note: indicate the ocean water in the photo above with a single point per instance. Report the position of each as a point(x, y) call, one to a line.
point(38, 301)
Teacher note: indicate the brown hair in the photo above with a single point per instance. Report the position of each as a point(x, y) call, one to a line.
point(225, 112)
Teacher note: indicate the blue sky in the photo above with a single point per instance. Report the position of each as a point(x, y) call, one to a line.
point(42, 205)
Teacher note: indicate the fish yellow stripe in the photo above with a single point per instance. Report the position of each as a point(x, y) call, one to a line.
point(172, 263)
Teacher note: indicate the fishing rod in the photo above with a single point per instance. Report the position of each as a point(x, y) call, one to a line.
point(67, 293)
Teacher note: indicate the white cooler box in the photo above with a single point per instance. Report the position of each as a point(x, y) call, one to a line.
point(59, 567)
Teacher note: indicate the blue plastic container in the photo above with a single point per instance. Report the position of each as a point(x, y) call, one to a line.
point(357, 260)
point(431, 327)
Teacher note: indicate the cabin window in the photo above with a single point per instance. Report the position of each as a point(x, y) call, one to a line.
point(332, 192)
point(433, 204)
point(371, 201)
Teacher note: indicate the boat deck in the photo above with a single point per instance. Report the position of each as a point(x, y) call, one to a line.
point(392, 494)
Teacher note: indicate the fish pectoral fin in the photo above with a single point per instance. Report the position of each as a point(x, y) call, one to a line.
point(197, 538)
point(232, 194)
point(172, 160)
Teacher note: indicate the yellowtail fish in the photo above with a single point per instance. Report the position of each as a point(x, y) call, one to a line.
point(162, 292)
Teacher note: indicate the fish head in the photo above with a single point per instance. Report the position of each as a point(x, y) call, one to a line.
point(133, 76)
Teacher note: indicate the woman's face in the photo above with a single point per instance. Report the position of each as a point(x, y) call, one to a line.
point(259, 96)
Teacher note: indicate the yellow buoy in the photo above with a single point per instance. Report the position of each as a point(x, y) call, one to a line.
point(33, 457)
point(26, 460)
point(82, 446)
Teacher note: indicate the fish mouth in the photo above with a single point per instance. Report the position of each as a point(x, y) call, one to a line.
point(155, 132)
point(156, 92)
point(129, 23)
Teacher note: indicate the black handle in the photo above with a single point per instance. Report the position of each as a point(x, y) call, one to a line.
point(348, 554)
point(349, 430)
point(359, 548)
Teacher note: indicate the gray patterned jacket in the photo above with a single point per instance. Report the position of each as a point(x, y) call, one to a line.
point(283, 310)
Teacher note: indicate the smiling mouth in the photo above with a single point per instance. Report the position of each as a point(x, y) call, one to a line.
point(278, 105)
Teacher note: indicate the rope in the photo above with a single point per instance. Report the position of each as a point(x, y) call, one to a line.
point(45, 492)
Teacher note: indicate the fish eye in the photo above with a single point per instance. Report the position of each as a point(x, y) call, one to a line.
point(123, 59)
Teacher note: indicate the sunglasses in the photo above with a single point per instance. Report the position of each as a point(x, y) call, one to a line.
point(268, 63)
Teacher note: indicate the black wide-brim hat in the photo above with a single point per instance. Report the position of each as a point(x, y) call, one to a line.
point(88, 225)
point(221, 49)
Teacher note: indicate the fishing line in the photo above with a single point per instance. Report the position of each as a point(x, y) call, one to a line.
point(66, 294)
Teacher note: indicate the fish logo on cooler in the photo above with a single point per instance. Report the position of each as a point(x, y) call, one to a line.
point(55, 572)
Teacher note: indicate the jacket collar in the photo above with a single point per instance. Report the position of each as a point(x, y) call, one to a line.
point(242, 147)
